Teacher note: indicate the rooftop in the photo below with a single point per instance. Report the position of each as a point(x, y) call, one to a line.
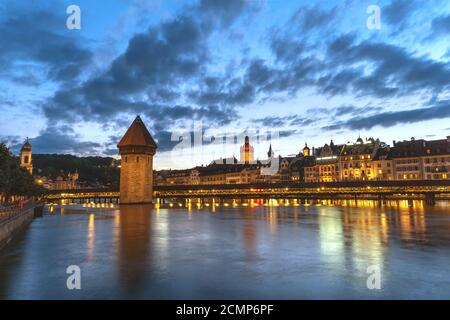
point(137, 135)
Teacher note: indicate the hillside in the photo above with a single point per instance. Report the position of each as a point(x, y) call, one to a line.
point(92, 170)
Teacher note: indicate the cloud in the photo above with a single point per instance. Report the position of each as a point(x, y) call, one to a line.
point(39, 36)
point(61, 140)
point(150, 77)
point(439, 110)
point(172, 73)
point(398, 12)
point(384, 70)
point(440, 26)
point(283, 121)
point(308, 18)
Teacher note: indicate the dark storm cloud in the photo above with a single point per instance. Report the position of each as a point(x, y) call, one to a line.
point(353, 110)
point(149, 75)
point(211, 114)
point(308, 18)
point(39, 35)
point(439, 110)
point(279, 122)
point(61, 140)
point(440, 26)
point(224, 11)
point(343, 110)
point(398, 12)
point(394, 70)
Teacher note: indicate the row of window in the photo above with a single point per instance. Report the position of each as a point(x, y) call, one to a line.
point(357, 157)
point(356, 165)
point(352, 173)
point(406, 161)
point(410, 168)
point(436, 160)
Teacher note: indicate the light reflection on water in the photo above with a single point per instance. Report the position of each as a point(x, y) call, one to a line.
point(233, 248)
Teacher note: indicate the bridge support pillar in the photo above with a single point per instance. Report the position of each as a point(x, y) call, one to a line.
point(430, 199)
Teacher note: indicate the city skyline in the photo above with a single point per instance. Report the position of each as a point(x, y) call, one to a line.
point(312, 72)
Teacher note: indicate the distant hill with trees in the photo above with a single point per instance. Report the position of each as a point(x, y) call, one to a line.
point(92, 170)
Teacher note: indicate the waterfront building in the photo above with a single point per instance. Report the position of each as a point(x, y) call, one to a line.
point(26, 161)
point(247, 151)
point(61, 182)
point(178, 177)
point(327, 162)
point(407, 160)
point(284, 172)
point(231, 160)
point(310, 170)
point(229, 173)
point(436, 161)
point(355, 161)
point(296, 168)
point(421, 159)
point(383, 164)
point(367, 159)
point(136, 148)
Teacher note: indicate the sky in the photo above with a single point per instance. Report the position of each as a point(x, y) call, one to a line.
point(203, 74)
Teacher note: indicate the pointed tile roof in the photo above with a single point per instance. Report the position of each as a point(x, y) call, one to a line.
point(26, 145)
point(137, 135)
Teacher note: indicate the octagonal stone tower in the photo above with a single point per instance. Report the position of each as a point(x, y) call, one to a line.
point(136, 149)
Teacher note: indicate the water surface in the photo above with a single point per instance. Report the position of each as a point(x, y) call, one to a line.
point(233, 251)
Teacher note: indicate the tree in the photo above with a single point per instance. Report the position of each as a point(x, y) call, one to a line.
point(13, 179)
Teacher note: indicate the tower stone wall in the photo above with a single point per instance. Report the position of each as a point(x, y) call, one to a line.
point(136, 148)
point(136, 178)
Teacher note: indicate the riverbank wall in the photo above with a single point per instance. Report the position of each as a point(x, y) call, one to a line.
point(16, 222)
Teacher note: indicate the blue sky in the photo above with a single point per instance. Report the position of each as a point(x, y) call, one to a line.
point(312, 71)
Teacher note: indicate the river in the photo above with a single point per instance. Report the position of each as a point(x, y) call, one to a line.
point(236, 250)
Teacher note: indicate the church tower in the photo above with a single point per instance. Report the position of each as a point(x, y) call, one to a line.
point(136, 148)
point(247, 152)
point(306, 152)
point(25, 157)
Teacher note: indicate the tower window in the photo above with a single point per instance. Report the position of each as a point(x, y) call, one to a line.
point(26, 159)
point(137, 159)
point(126, 159)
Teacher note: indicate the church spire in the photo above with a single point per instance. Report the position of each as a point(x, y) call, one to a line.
point(270, 153)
